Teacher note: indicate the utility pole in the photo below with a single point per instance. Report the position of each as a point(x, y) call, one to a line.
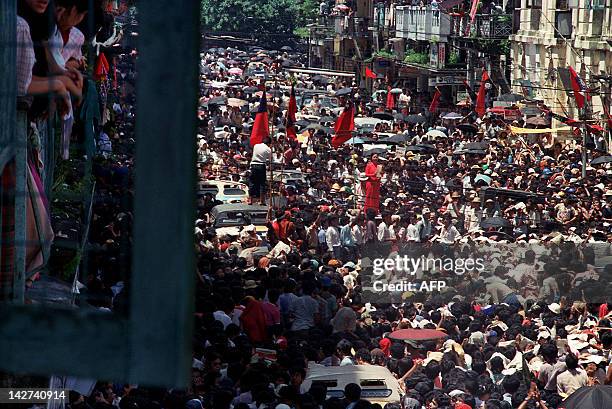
point(585, 132)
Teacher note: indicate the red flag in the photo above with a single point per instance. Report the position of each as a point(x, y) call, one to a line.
point(480, 99)
point(345, 125)
point(390, 99)
point(370, 74)
point(473, 11)
point(579, 87)
point(291, 111)
point(435, 101)
point(260, 127)
point(102, 67)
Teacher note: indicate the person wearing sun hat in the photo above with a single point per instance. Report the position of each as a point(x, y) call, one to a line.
point(472, 215)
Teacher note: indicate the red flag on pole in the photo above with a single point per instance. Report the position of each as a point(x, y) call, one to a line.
point(435, 101)
point(370, 74)
point(390, 99)
point(291, 111)
point(480, 99)
point(260, 127)
point(579, 87)
point(345, 125)
point(473, 11)
point(102, 67)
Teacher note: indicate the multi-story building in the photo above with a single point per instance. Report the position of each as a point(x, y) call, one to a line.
point(341, 38)
point(444, 48)
point(556, 34)
point(416, 46)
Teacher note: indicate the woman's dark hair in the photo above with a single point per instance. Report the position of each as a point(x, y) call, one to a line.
point(81, 5)
point(42, 27)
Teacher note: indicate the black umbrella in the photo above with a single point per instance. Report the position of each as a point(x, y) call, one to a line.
point(454, 184)
point(427, 148)
point(286, 48)
point(289, 63)
point(510, 98)
point(495, 222)
point(302, 122)
point(373, 151)
point(382, 115)
point(472, 152)
point(251, 90)
point(602, 160)
point(275, 92)
point(343, 91)
point(320, 79)
point(414, 148)
point(374, 105)
point(498, 235)
point(415, 119)
point(590, 397)
point(468, 128)
point(399, 116)
point(367, 139)
point(395, 139)
point(476, 146)
point(217, 101)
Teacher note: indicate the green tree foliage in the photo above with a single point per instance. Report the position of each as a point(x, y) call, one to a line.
point(257, 17)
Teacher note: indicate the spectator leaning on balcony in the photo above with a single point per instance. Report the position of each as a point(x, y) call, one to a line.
point(27, 83)
point(44, 32)
point(69, 14)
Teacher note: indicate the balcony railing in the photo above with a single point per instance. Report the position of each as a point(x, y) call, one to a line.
point(421, 23)
point(492, 26)
point(351, 26)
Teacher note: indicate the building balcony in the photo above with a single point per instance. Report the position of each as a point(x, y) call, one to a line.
point(489, 26)
point(350, 26)
point(422, 24)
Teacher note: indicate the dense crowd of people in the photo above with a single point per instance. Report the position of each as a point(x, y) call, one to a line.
point(526, 329)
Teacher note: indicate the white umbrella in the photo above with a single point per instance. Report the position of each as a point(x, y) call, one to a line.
point(452, 115)
point(396, 91)
point(235, 102)
point(434, 133)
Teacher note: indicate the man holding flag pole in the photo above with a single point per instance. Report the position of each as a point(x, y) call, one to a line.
point(262, 154)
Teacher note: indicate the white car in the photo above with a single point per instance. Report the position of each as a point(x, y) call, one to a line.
point(225, 191)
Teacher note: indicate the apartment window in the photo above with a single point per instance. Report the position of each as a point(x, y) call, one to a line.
point(563, 23)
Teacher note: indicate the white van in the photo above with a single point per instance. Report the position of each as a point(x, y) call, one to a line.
point(378, 385)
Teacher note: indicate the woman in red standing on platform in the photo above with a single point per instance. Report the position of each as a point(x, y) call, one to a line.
point(372, 187)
